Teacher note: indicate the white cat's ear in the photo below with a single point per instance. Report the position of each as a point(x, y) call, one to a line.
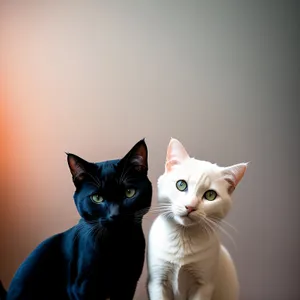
point(176, 154)
point(234, 174)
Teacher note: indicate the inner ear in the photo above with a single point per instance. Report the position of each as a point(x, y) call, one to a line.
point(176, 154)
point(137, 157)
point(78, 167)
point(234, 174)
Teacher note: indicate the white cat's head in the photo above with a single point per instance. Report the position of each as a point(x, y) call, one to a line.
point(192, 190)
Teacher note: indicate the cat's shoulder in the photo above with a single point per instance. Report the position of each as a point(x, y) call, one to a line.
point(52, 244)
point(48, 243)
point(160, 227)
point(42, 256)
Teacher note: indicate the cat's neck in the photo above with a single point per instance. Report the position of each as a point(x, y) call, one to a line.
point(199, 230)
point(185, 241)
point(96, 229)
point(95, 237)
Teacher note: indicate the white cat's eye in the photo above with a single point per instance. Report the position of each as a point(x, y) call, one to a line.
point(129, 193)
point(96, 198)
point(181, 185)
point(210, 195)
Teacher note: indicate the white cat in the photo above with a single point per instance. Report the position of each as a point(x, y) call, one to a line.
point(185, 258)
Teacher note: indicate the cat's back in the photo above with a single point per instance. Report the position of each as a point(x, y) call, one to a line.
point(39, 272)
point(51, 251)
point(43, 254)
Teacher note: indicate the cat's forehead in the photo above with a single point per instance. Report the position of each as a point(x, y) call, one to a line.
point(204, 166)
point(195, 169)
point(107, 168)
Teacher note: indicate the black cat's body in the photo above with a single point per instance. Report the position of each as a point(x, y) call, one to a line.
point(108, 269)
point(102, 257)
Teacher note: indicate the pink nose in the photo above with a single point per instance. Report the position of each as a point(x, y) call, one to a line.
point(190, 208)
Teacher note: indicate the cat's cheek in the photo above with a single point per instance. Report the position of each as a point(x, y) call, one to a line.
point(175, 209)
point(128, 202)
point(178, 220)
point(183, 221)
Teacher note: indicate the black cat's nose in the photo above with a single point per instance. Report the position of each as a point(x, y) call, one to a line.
point(114, 217)
point(114, 210)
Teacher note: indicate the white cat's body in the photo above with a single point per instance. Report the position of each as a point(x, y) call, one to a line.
point(196, 265)
point(185, 258)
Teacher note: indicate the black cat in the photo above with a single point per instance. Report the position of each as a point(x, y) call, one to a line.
point(102, 257)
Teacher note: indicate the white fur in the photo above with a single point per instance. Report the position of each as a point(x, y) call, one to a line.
point(185, 258)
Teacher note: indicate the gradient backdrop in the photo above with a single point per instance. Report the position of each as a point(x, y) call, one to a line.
point(93, 77)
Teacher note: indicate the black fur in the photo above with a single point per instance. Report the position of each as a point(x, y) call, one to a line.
point(103, 255)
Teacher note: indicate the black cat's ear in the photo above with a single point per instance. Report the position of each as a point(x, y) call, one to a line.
point(137, 157)
point(78, 167)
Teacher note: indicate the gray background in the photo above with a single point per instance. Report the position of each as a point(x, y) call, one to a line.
point(93, 77)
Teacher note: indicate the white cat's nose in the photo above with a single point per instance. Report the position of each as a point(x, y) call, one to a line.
point(190, 208)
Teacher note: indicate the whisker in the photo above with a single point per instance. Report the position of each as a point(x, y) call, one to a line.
point(224, 222)
point(223, 230)
point(158, 211)
point(210, 228)
point(203, 225)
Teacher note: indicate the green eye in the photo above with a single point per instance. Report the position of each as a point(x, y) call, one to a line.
point(129, 193)
point(96, 198)
point(181, 185)
point(210, 195)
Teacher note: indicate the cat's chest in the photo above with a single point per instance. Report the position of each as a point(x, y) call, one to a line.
point(186, 258)
point(183, 247)
point(183, 277)
point(107, 251)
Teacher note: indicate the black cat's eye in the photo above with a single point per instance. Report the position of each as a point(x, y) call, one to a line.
point(129, 193)
point(181, 185)
point(96, 198)
point(210, 195)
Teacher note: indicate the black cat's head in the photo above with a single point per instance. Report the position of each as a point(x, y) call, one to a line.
point(113, 192)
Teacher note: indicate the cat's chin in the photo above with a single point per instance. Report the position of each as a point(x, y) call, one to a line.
point(185, 221)
point(116, 223)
